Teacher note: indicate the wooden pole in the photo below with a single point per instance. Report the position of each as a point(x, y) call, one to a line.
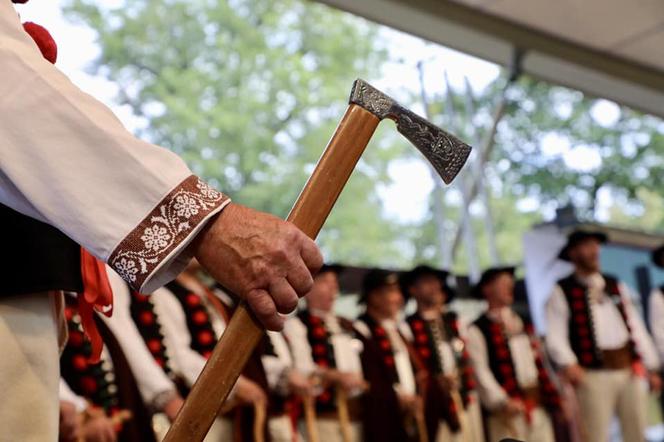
point(309, 403)
point(260, 414)
point(344, 415)
point(244, 332)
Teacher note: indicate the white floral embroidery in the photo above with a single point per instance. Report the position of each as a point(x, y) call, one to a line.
point(127, 269)
point(155, 237)
point(186, 206)
point(163, 229)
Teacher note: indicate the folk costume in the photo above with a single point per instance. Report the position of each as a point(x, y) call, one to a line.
point(68, 163)
point(391, 368)
point(451, 403)
point(509, 365)
point(322, 340)
point(592, 322)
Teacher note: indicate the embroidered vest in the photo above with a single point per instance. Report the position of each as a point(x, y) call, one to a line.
point(425, 338)
point(203, 337)
point(581, 326)
point(379, 335)
point(502, 363)
point(36, 257)
point(95, 382)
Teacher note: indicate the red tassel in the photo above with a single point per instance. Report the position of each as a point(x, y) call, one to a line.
point(97, 295)
point(43, 39)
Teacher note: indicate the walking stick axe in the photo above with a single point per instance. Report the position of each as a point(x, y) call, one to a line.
point(367, 107)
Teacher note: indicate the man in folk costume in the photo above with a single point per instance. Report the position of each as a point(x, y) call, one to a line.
point(67, 162)
point(392, 406)
point(600, 343)
point(514, 386)
point(452, 409)
point(325, 346)
point(191, 319)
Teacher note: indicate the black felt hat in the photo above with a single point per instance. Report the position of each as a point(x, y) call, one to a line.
point(408, 279)
point(331, 268)
point(658, 256)
point(577, 237)
point(375, 279)
point(488, 276)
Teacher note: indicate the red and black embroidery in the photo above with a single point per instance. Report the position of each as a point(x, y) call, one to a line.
point(203, 337)
point(581, 325)
point(379, 335)
point(95, 382)
point(147, 323)
point(502, 363)
point(322, 353)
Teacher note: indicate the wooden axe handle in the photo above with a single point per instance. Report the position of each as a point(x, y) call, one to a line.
point(244, 332)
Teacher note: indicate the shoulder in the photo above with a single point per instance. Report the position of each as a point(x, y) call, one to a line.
point(362, 328)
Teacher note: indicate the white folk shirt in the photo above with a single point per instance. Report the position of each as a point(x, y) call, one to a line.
point(68, 161)
point(346, 349)
point(492, 394)
point(656, 311)
point(66, 394)
point(150, 377)
point(277, 366)
point(609, 327)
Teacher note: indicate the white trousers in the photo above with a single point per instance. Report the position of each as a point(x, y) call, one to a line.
point(280, 429)
point(539, 429)
point(605, 393)
point(31, 330)
point(472, 428)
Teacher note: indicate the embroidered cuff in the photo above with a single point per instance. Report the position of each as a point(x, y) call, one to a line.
point(165, 232)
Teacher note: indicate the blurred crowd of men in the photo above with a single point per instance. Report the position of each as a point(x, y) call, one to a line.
point(385, 375)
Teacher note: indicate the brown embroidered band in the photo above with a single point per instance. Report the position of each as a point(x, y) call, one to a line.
point(169, 223)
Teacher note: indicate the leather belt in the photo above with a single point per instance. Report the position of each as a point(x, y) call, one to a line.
point(617, 359)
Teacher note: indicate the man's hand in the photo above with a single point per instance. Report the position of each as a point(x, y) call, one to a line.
point(410, 403)
point(300, 385)
point(574, 374)
point(248, 392)
point(172, 407)
point(70, 423)
point(264, 260)
point(513, 407)
point(349, 382)
point(98, 427)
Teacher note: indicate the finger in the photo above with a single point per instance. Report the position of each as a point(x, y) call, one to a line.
point(311, 255)
point(263, 307)
point(299, 277)
point(283, 295)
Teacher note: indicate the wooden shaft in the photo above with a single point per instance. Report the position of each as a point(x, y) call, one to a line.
point(260, 414)
point(244, 332)
point(344, 415)
point(458, 402)
point(309, 404)
point(422, 434)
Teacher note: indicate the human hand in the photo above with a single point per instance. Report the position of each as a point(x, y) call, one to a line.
point(574, 374)
point(410, 403)
point(655, 381)
point(97, 427)
point(300, 385)
point(172, 407)
point(513, 407)
point(261, 258)
point(248, 392)
point(70, 423)
point(349, 382)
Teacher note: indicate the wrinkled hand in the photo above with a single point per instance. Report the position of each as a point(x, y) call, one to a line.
point(262, 259)
point(248, 392)
point(70, 423)
point(574, 374)
point(98, 427)
point(172, 408)
point(300, 385)
point(513, 407)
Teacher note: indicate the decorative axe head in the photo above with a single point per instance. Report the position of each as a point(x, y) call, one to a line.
point(446, 153)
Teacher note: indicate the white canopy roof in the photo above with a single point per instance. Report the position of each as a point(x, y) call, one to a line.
point(606, 48)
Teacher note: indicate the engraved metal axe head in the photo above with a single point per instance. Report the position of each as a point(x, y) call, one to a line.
point(446, 153)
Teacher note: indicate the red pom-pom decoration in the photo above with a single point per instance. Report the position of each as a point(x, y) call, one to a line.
point(43, 39)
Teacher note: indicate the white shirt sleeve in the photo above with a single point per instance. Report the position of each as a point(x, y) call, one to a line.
point(67, 395)
point(296, 332)
point(491, 393)
point(278, 365)
point(185, 361)
point(151, 379)
point(557, 336)
point(644, 343)
point(657, 319)
point(68, 161)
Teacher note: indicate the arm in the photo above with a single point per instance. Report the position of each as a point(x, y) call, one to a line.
point(557, 336)
point(642, 339)
point(491, 393)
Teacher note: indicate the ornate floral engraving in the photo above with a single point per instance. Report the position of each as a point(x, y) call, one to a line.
point(169, 223)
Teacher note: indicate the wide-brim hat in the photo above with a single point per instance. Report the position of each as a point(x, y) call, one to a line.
point(658, 256)
point(331, 268)
point(408, 279)
point(488, 276)
point(577, 237)
point(375, 279)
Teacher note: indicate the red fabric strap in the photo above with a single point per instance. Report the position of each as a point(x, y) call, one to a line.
point(97, 295)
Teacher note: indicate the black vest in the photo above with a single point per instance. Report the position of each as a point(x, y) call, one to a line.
point(36, 257)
